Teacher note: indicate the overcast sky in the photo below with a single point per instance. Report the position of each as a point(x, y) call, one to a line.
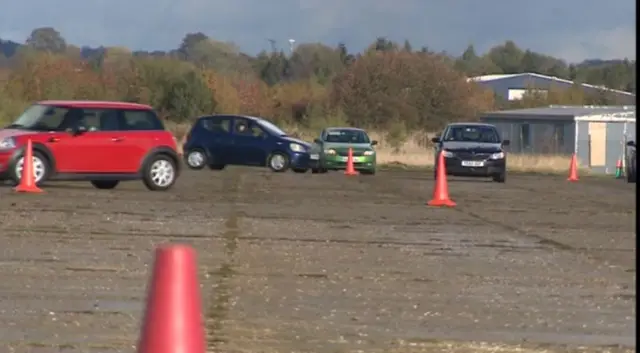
point(571, 29)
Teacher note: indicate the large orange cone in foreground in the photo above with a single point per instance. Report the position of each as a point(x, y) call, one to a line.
point(172, 321)
point(28, 179)
point(441, 191)
point(573, 169)
point(350, 169)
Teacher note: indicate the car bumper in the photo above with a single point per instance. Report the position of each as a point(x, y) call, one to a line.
point(299, 160)
point(5, 162)
point(338, 163)
point(454, 167)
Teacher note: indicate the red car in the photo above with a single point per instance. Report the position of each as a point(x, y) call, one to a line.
point(102, 142)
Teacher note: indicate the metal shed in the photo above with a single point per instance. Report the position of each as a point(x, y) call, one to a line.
point(596, 134)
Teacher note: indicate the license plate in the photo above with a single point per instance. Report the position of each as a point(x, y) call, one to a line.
point(358, 159)
point(343, 159)
point(472, 163)
point(314, 157)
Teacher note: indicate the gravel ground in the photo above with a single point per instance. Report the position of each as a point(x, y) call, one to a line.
point(328, 263)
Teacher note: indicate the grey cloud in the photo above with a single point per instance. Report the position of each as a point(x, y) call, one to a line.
point(571, 29)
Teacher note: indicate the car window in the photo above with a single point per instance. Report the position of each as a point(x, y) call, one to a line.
point(44, 118)
point(346, 136)
point(140, 120)
point(217, 125)
point(472, 133)
point(242, 127)
point(91, 120)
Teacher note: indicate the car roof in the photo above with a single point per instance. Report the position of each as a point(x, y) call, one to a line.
point(344, 128)
point(96, 104)
point(229, 116)
point(471, 124)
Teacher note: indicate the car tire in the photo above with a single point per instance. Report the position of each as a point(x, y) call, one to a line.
point(159, 173)
point(105, 184)
point(40, 163)
point(500, 178)
point(212, 163)
point(278, 162)
point(195, 159)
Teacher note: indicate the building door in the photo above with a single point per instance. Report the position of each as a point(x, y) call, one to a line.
point(597, 144)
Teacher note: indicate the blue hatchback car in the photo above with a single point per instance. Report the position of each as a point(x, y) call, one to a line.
point(220, 140)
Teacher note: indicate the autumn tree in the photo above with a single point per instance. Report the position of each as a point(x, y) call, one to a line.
point(47, 39)
point(419, 90)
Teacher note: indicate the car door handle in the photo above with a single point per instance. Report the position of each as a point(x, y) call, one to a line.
point(117, 139)
point(53, 139)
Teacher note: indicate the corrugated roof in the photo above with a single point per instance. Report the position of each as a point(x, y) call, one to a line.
point(563, 111)
point(489, 78)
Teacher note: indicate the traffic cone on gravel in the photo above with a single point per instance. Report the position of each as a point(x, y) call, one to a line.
point(27, 179)
point(172, 320)
point(441, 191)
point(350, 169)
point(573, 169)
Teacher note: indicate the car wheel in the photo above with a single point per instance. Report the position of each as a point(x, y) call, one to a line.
point(278, 162)
point(105, 184)
point(500, 178)
point(160, 173)
point(196, 159)
point(300, 170)
point(41, 168)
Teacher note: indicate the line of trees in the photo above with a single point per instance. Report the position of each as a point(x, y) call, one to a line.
point(390, 86)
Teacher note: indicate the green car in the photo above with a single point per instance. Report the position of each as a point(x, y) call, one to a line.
point(330, 150)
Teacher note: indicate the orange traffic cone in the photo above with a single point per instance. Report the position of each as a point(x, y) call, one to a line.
point(350, 169)
point(27, 179)
point(173, 317)
point(441, 191)
point(573, 169)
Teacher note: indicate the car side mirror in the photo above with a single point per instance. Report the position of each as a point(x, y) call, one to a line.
point(374, 142)
point(318, 141)
point(631, 144)
point(78, 130)
point(506, 142)
point(435, 139)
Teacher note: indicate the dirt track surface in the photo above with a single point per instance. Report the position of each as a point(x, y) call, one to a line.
point(327, 263)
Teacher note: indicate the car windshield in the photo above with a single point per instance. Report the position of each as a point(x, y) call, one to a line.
point(271, 128)
point(40, 117)
point(472, 133)
point(346, 136)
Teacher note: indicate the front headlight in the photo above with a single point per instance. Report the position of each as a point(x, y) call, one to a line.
point(7, 143)
point(447, 154)
point(330, 151)
point(498, 155)
point(296, 147)
point(369, 153)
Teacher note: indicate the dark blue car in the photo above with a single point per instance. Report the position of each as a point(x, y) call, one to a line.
point(220, 140)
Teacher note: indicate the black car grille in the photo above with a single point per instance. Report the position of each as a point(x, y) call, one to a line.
point(346, 153)
point(470, 156)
